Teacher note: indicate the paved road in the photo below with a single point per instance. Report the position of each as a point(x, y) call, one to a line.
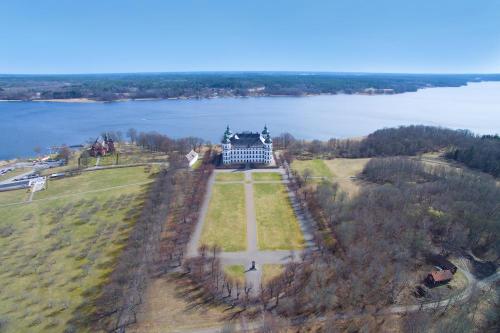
point(10, 180)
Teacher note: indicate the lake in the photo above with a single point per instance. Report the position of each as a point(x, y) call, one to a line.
point(25, 125)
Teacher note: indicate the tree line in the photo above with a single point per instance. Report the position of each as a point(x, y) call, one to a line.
point(383, 235)
point(110, 87)
point(478, 152)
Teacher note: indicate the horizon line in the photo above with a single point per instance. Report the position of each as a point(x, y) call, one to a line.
point(250, 72)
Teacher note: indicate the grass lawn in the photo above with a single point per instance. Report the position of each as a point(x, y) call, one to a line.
point(345, 168)
point(277, 227)
point(236, 272)
point(13, 196)
point(230, 176)
point(270, 271)
point(225, 224)
point(264, 176)
point(95, 180)
point(318, 167)
point(57, 252)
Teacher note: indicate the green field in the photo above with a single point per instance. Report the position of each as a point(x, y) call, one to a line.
point(94, 181)
point(277, 227)
point(266, 176)
point(317, 167)
point(58, 251)
point(230, 176)
point(225, 225)
point(9, 197)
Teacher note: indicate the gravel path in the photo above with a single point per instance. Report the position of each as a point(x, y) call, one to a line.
point(252, 253)
point(192, 248)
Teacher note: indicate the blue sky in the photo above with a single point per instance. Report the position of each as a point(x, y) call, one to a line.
point(424, 36)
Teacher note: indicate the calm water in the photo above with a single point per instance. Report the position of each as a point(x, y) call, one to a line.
point(25, 125)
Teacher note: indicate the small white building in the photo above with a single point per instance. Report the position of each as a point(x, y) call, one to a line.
point(247, 147)
point(192, 157)
point(38, 184)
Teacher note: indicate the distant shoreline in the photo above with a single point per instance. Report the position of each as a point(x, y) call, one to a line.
point(88, 100)
point(366, 92)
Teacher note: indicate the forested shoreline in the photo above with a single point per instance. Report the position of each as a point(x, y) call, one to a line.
point(112, 87)
point(475, 151)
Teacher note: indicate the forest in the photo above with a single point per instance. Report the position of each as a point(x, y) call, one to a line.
point(371, 250)
point(372, 245)
point(111, 87)
point(475, 151)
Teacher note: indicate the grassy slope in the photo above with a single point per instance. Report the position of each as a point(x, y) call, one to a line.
point(317, 167)
point(277, 226)
point(55, 250)
point(345, 168)
point(226, 221)
point(94, 180)
point(8, 197)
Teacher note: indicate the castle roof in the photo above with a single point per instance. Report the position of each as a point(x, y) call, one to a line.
point(246, 140)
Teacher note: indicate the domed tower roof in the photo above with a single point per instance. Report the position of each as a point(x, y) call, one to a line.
point(227, 135)
point(268, 139)
point(265, 131)
point(228, 131)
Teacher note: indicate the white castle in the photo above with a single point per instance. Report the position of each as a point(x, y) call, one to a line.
point(247, 147)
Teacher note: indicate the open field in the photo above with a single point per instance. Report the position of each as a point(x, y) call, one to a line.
point(236, 272)
point(266, 176)
point(317, 167)
point(277, 226)
point(8, 197)
point(344, 169)
point(167, 309)
point(57, 252)
point(225, 223)
point(230, 176)
point(95, 180)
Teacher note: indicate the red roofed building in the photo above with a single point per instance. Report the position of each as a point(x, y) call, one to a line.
point(438, 277)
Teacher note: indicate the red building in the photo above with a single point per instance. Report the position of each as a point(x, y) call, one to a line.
point(102, 147)
point(438, 277)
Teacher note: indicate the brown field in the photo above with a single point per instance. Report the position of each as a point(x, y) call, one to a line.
point(343, 169)
point(167, 309)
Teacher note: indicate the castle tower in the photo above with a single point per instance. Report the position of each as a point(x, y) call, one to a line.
point(226, 146)
point(268, 145)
